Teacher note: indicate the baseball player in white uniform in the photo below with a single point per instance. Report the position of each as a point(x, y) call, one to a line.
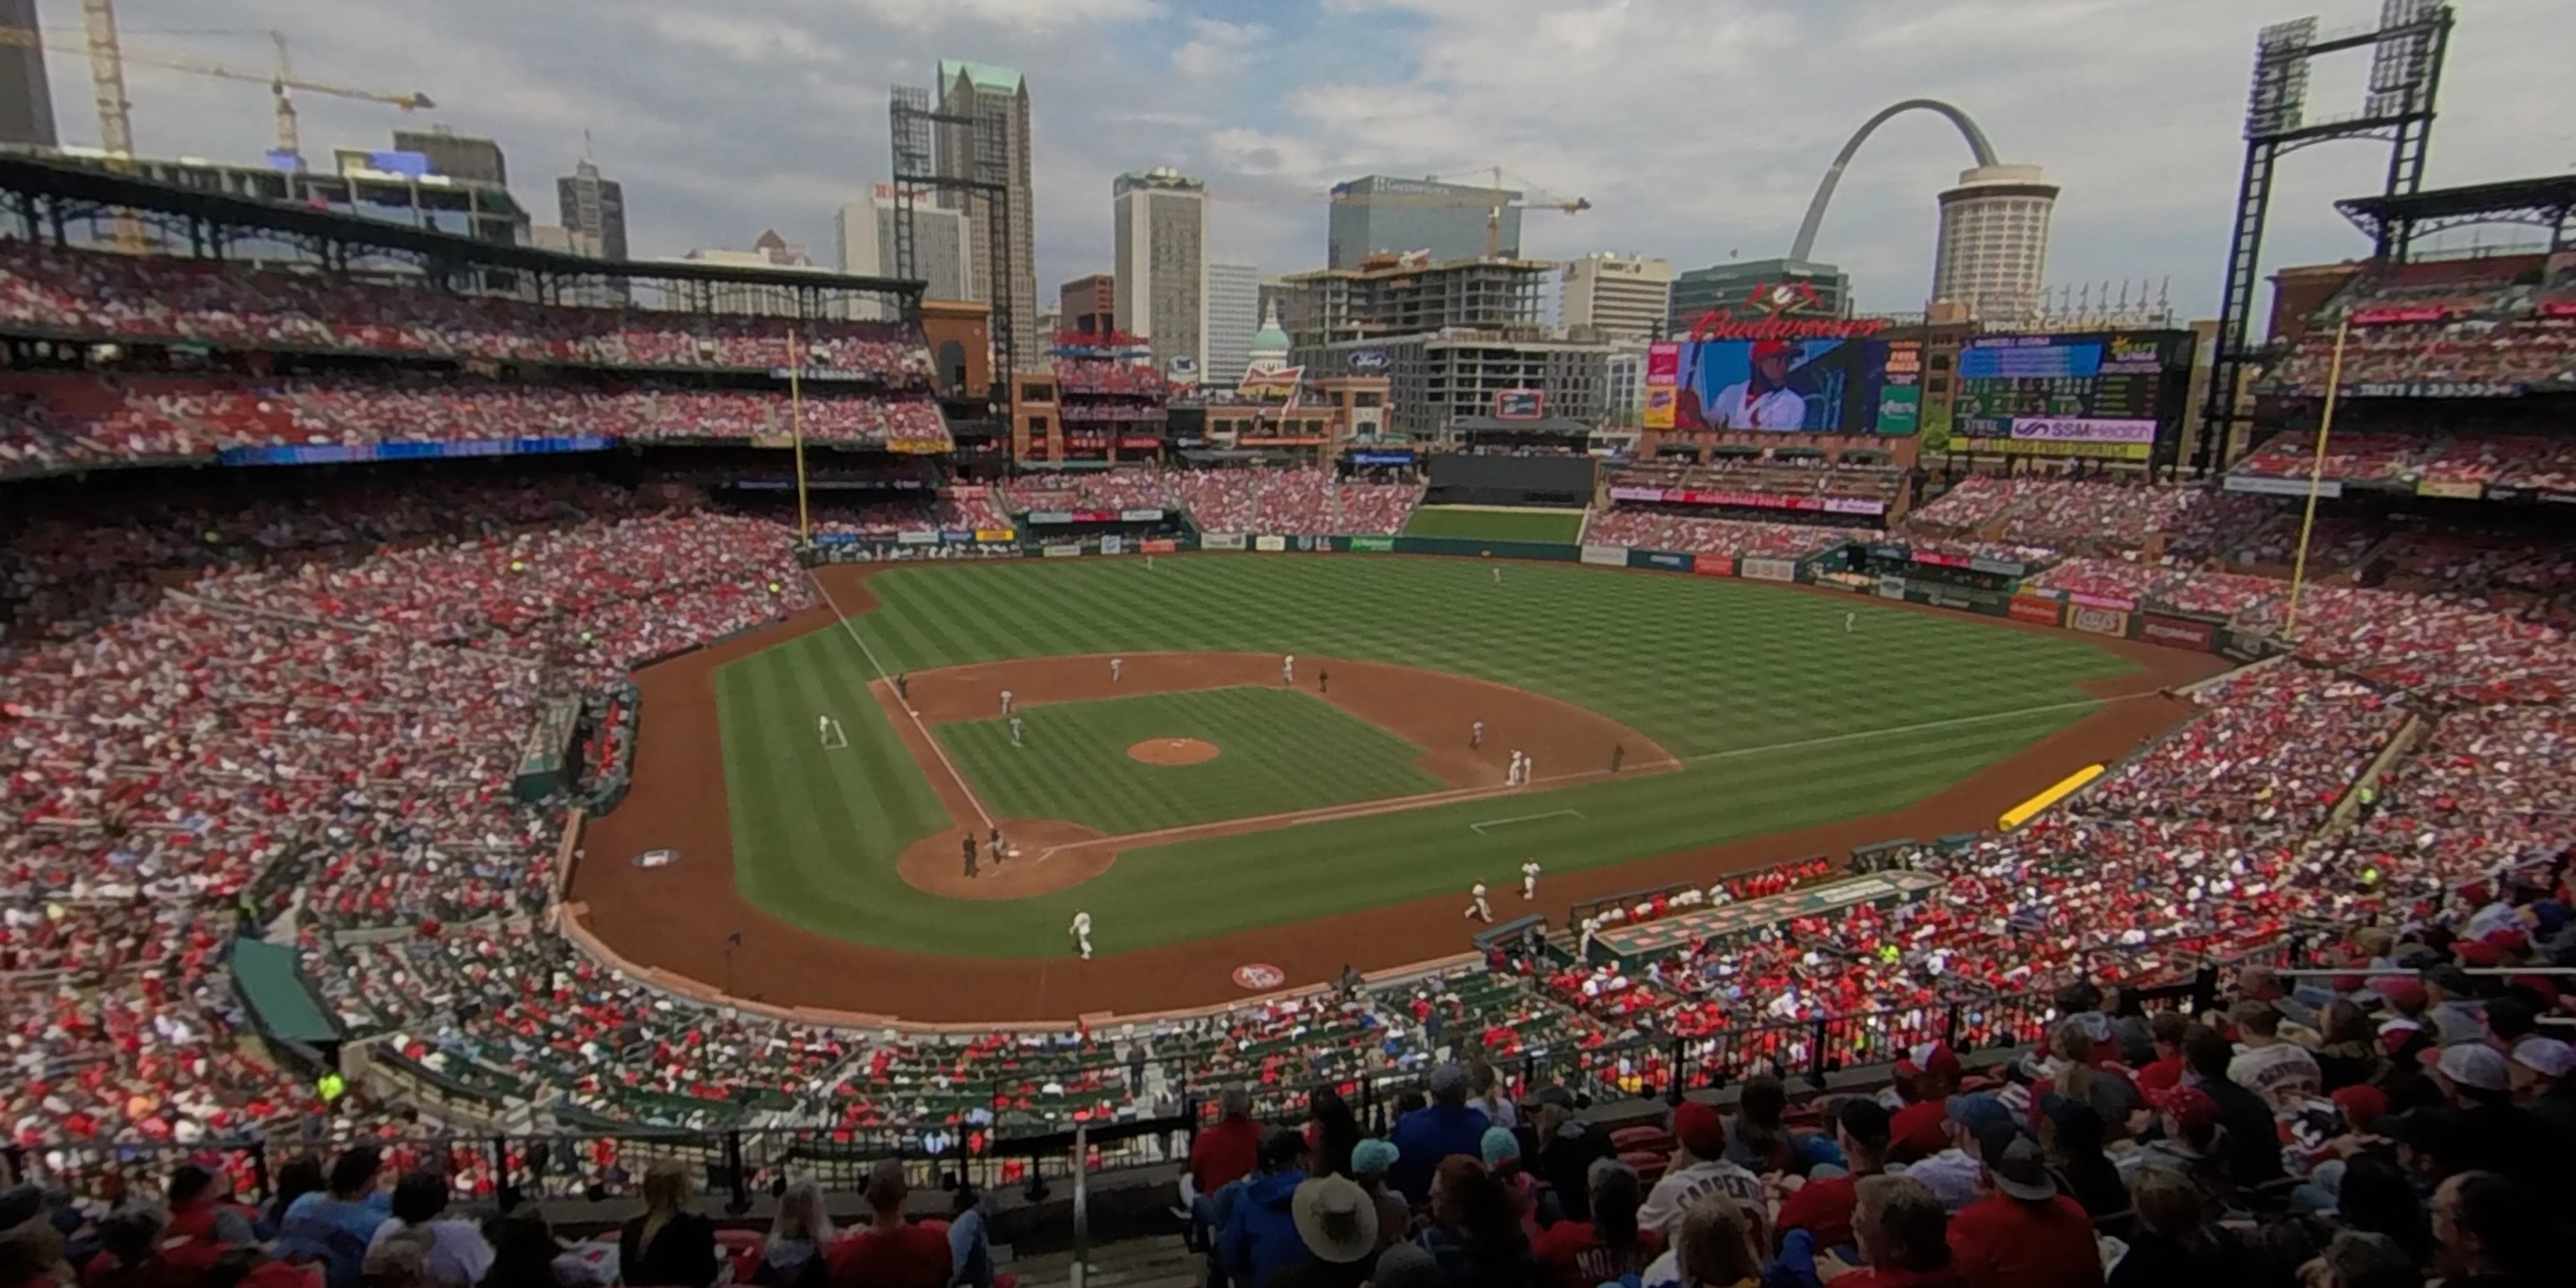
point(1081, 931)
point(1529, 878)
point(1529, 770)
point(1851, 622)
point(1583, 945)
point(1498, 574)
point(1475, 735)
point(1016, 728)
point(1116, 664)
point(822, 726)
point(1480, 910)
point(1288, 669)
point(1006, 702)
point(1149, 563)
point(1773, 406)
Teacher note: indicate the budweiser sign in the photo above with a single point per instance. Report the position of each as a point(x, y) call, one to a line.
point(1715, 325)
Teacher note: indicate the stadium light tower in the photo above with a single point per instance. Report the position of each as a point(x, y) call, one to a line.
point(2405, 74)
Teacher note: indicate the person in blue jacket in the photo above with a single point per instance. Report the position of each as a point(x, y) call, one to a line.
point(1446, 1126)
point(1261, 1238)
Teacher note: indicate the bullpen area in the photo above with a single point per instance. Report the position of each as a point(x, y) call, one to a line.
point(1212, 805)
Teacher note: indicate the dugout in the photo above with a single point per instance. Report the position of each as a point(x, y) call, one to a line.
point(1560, 482)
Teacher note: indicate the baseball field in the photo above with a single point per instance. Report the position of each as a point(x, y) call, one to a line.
point(1202, 806)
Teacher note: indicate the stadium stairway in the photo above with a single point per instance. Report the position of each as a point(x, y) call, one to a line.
point(1157, 1262)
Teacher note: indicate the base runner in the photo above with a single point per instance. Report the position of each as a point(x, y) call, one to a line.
point(1480, 910)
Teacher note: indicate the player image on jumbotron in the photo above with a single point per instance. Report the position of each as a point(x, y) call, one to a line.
point(1762, 400)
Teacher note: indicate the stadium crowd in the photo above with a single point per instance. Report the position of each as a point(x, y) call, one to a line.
point(1658, 529)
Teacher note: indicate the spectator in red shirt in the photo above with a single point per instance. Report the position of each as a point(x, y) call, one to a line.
point(1223, 1154)
point(1581, 1254)
point(1903, 1234)
point(2165, 1030)
point(890, 1252)
point(1926, 1077)
point(1824, 1208)
point(2023, 1234)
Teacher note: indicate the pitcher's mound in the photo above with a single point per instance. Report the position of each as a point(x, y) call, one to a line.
point(1172, 751)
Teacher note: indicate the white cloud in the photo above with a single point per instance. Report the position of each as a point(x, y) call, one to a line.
point(1025, 15)
point(1216, 48)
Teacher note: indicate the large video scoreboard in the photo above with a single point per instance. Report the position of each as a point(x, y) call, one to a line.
point(2108, 396)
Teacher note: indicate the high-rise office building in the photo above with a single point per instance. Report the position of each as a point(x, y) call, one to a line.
point(26, 98)
point(594, 207)
point(1233, 317)
point(1088, 304)
point(1783, 285)
point(1622, 297)
point(1375, 214)
point(1993, 253)
point(995, 101)
point(943, 248)
point(458, 156)
point(1161, 220)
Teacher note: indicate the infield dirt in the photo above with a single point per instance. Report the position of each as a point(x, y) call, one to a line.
point(674, 921)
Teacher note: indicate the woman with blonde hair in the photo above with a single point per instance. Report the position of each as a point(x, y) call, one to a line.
point(799, 1236)
point(1713, 1248)
point(669, 1246)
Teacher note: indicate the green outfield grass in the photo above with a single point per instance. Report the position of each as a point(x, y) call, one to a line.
point(1560, 526)
point(1279, 750)
point(1784, 720)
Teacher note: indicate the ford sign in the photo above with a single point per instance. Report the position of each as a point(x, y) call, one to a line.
point(1370, 360)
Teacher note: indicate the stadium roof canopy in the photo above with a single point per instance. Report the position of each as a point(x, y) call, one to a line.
point(75, 191)
point(2394, 221)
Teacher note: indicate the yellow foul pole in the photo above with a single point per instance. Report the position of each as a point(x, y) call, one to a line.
point(2316, 476)
point(796, 430)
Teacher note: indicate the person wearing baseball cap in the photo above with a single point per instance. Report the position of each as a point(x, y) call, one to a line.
point(1763, 399)
point(2191, 1141)
point(2022, 1232)
point(1952, 1173)
point(2496, 1135)
point(1926, 1076)
point(2538, 1069)
point(1698, 1166)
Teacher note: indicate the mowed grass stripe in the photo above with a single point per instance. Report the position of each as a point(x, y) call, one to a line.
point(1704, 666)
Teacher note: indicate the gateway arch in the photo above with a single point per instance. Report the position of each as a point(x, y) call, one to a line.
point(1977, 145)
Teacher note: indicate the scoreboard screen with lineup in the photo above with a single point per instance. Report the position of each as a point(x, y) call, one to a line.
point(2109, 395)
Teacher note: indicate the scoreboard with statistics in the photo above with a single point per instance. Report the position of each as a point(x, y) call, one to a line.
point(2114, 395)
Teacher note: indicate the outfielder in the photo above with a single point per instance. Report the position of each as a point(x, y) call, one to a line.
point(822, 727)
point(1529, 878)
point(1480, 910)
point(1116, 664)
point(1475, 735)
point(1288, 669)
point(1149, 563)
point(1081, 931)
point(1006, 702)
point(1498, 574)
point(1016, 727)
point(1851, 623)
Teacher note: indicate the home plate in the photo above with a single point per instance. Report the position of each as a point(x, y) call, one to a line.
point(1479, 828)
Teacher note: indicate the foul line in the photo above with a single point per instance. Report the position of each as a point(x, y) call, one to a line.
point(905, 703)
point(1404, 804)
point(1479, 828)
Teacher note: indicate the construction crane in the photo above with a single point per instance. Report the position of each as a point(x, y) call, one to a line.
point(107, 61)
point(1493, 201)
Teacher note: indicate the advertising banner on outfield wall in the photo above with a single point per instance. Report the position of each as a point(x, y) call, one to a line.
point(2034, 608)
point(1140, 515)
point(1374, 545)
point(956, 536)
point(1769, 569)
point(1158, 545)
point(1606, 556)
point(917, 537)
point(1891, 587)
point(2100, 621)
point(2176, 632)
point(1713, 565)
point(1111, 545)
point(996, 534)
point(1063, 551)
point(1667, 560)
point(2115, 603)
point(1220, 541)
point(1270, 543)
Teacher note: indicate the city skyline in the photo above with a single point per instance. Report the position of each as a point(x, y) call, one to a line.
point(1298, 96)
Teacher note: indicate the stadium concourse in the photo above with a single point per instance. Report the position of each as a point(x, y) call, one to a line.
point(295, 707)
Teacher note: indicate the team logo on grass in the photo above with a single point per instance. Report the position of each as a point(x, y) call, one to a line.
point(1259, 976)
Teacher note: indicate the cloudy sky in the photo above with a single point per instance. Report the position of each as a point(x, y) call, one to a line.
point(1697, 128)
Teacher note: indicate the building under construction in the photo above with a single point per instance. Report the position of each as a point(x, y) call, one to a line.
point(1392, 295)
point(1450, 337)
